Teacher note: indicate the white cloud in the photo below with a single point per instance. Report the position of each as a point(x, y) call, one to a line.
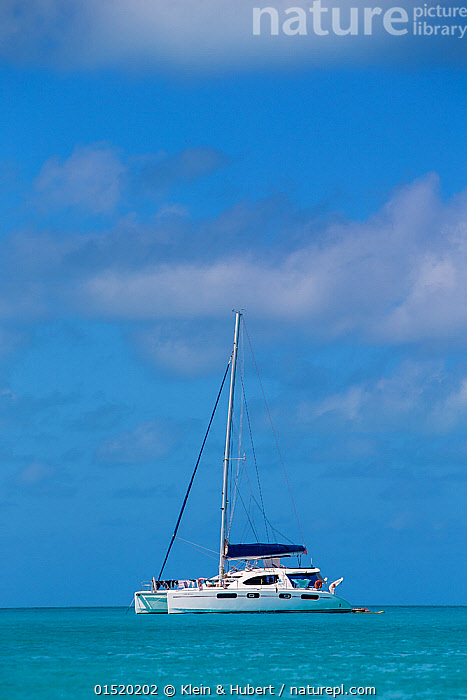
point(9, 340)
point(208, 34)
point(404, 397)
point(94, 178)
point(38, 478)
point(174, 351)
point(89, 179)
point(398, 277)
point(149, 440)
point(162, 169)
point(451, 410)
point(139, 33)
point(348, 404)
point(35, 473)
point(458, 399)
point(438, 297)
point(188, 290)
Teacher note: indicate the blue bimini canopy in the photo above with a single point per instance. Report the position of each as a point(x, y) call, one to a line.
point(261, 550)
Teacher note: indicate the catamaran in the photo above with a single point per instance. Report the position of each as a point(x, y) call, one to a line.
point(258, 581)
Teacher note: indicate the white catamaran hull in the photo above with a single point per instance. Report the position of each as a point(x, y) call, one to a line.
point(209, 601)
point(147, 602)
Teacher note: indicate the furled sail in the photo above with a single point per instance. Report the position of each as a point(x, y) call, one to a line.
point(261, 550)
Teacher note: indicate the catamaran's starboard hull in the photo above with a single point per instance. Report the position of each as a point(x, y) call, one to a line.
point(146, 602)
point(214, 601)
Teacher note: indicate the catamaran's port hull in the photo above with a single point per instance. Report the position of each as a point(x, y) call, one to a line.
point(146, 602)
point(267, 601)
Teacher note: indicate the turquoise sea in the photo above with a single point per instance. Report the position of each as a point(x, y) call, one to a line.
point(407, 652)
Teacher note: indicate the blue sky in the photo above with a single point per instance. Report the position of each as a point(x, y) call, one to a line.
point(147, 191)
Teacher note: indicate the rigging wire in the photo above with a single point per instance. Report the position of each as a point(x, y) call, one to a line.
point(248, 516)
point(199, 546)
point(194, 471)
point(240, 470)
point(274, 433)
point(238, 479)
point(247, 413)
point(274, 529)
point(252, 498)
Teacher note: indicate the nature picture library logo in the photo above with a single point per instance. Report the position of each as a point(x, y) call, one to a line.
point(319, 19)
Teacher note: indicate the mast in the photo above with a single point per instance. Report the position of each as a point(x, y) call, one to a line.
point(227, 447)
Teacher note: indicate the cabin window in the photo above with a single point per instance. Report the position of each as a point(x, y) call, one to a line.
point(303, 580)
point(262, 580)
point(285, 595)
point(226, 595)
point(252, 595)
point(309, 596)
